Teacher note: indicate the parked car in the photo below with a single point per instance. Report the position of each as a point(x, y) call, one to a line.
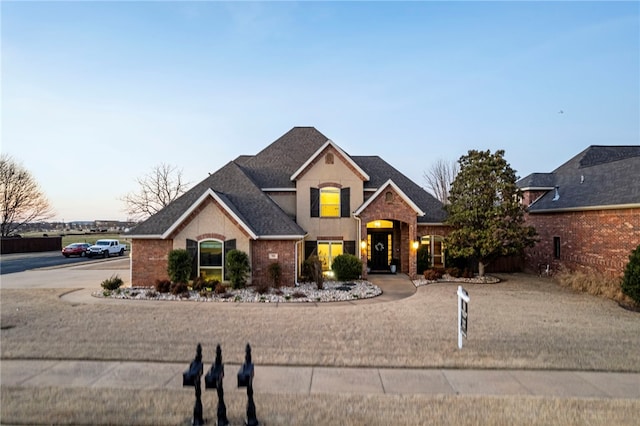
point(76, 249)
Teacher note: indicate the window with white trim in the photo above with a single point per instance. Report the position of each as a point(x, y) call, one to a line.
point(329, 202)
point(327, 251)
point(211, 259)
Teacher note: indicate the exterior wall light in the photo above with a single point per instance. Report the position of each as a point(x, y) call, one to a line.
point(415, 245)
point(363, 244)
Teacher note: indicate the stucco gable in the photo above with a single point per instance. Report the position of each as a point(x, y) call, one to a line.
point(330, 146)
point(224, 205)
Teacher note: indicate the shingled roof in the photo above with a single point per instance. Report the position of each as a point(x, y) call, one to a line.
point(239, 186)
point(598, 177)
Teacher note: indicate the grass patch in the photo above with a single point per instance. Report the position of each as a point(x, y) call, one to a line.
point(593, 283)
point(175, 407)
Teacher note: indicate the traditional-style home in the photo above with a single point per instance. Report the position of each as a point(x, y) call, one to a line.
point(301, 195)
point(587, 211)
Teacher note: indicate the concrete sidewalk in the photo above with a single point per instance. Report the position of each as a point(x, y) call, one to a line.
point(317, 380)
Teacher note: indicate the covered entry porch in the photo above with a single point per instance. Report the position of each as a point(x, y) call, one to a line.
point(388, 232)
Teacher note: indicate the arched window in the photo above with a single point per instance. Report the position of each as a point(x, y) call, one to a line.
point(211, 260)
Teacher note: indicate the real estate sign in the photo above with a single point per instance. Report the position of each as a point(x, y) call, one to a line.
point(463, 314)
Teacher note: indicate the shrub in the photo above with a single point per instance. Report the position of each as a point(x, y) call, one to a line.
point(432, 274)
point(423, 258)
point(261, 286)
point(179, 266)
point(312, 271)
point(238, 268)
point(631, 278)
point(467, 273)
point(275, 274)
point(162, 286)
point(179, 288)
point(112, 283)
point(454, 272)
point(199, 284)
point(220, 288)
point(347, 267)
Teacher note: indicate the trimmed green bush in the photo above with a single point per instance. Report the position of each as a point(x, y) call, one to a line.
point(631, 278)
point(275, 274)
point(179, 267)
point(238, 268)
point(112, 283)
point(346, 267)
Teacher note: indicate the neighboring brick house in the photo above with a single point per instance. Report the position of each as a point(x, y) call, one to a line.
point(587, 211)
point(300, 195)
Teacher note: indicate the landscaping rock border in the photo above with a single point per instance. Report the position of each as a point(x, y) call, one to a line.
point(334, 291)
point(487, 279)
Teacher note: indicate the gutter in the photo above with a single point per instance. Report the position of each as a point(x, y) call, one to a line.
point(588, 208)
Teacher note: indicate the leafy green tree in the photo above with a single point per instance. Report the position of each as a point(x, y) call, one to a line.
point(238, 268)
point(485, 211)
point(631, 278)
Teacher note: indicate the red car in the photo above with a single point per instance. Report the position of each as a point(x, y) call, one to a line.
point(76, 249)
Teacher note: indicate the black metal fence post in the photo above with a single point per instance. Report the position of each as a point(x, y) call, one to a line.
point(245, 379)
point(191, 377)
point(212, 380)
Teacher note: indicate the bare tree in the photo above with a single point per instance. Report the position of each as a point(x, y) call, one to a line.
point(440, 177)
point(21, 197)
point(157, 189)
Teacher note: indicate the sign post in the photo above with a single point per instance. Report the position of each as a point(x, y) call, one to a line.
point(463, 311)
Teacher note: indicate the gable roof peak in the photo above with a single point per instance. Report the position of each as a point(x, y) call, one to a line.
point(319, 151)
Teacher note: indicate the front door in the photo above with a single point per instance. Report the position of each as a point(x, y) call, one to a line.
point(380, 251)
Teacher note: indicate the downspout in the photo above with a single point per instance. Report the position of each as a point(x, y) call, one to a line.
point(359, 233)
point(295, 269)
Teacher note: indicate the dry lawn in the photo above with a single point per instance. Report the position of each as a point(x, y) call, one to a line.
point(523, 322)
point(163, 407)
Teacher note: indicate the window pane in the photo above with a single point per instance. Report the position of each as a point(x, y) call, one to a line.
point(323, 255)
point(330, 202)
point(336, 250)
point(211, 253)
point(211, 274)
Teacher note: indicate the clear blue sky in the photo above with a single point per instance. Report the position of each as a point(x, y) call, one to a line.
point(97, 94)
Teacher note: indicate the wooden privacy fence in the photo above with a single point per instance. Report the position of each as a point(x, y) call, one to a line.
point(30, 245)
point(506, 264)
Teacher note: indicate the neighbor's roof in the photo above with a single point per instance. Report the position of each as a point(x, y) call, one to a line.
point(239, 187)
point(598, 177)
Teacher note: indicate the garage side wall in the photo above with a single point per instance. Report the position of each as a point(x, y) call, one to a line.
point(149, 259)
point(599, 240)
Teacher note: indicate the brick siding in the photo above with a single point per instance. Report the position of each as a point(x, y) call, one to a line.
point(149, 259)
point(394, 209)
point(260, 250)
point(599, 240)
